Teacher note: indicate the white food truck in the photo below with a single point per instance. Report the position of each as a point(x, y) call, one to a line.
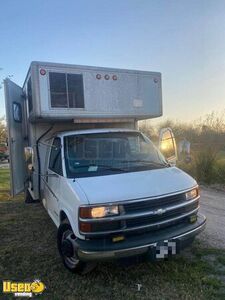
point(74, 145)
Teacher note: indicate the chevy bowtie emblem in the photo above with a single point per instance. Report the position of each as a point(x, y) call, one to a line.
point(160, 211)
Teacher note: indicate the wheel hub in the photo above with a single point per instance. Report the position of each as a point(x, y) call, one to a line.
point(67, 248)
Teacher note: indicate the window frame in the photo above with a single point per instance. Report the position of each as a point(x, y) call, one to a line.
point(29, 99)
point(67, 91)
point(60, 156)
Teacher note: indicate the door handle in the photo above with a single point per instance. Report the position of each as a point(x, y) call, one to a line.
point(46, 176)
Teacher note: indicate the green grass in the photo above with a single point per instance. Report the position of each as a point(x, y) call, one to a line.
point(4, 179)
point(28, 251)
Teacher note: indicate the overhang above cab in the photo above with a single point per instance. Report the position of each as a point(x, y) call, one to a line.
point(71, 92)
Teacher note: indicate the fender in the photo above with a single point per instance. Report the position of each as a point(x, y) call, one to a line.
point(70, 218)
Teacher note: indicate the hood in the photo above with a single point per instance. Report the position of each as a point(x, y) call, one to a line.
point(128, 186)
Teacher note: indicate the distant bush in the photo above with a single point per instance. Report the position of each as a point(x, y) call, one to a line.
point(204, 166)
point(209, 130)
point(207, 138)
point(220, 171)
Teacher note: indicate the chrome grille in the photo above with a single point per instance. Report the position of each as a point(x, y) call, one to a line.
point(155, 218)
point(154, 203)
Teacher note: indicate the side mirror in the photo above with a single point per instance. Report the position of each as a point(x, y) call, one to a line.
point(167, 145)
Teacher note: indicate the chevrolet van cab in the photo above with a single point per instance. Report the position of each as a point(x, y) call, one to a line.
point(75, 145)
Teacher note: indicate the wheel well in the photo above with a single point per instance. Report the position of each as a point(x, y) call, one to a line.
point(63, 217)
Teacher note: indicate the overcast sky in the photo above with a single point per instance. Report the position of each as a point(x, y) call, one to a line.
point(182, 39)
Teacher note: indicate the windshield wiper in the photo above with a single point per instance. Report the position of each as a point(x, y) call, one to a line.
point(147, 162)
point(106, 167)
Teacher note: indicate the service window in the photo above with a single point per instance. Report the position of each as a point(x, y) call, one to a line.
point(66, 90)
point(55, 160)
point(58, 90)
point(75, 90)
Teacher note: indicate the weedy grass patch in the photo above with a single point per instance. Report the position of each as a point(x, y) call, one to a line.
point(28, 251)
point(4, 179)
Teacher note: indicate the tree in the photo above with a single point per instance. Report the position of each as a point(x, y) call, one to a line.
point(3, 130)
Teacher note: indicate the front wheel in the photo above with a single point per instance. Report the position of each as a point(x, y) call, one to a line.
point(67, 247)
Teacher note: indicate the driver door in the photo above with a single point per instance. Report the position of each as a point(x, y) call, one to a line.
point(53, 178)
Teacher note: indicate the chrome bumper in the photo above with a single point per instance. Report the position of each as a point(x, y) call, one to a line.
point(87, 255)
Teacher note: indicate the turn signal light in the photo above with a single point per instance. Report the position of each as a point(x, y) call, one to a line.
point(85, 227)
point(193, 218)
point(118, 238)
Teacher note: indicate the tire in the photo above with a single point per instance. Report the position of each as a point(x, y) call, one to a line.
point(28, 197)
point(66, 242)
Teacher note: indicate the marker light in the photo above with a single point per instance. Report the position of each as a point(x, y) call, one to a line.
point(114, 77)
point(107, 77)
point(98, 76)
point(42, 72)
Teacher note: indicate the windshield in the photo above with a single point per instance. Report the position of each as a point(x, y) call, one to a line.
point(109, 153)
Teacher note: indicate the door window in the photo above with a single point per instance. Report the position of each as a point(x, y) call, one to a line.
point(55, 160)
point(17, 112)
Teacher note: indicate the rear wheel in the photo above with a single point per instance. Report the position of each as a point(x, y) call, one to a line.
point(67, 247)
point(28, 197)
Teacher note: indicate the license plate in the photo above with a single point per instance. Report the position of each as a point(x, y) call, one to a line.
point(164, 250)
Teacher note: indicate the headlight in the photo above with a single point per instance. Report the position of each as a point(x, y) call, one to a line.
point(192, 194)
point(99, 211)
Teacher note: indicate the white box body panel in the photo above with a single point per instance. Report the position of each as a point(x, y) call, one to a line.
point(134, 94)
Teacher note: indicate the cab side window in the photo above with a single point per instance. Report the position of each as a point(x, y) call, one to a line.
point(55, 160)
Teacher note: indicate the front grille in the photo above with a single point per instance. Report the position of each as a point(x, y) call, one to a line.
point(146, 215)
point(154, 203)
point(155, 218)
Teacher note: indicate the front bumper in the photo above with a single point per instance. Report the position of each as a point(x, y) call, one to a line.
point(101, 249)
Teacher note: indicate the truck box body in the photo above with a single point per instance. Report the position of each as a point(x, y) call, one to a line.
point(65, 92)
point(71, 97)
point(74, 145)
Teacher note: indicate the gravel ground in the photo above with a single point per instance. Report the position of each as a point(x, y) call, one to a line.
point(212, 205)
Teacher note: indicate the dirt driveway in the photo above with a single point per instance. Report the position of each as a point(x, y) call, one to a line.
point(213, 207)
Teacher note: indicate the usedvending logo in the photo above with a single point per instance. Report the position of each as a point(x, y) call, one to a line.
point(23, 289)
